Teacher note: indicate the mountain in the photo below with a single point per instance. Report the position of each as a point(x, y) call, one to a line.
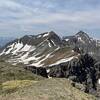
point(48, 48)
point(74, 57)
point(39, 50)
point(82, 43)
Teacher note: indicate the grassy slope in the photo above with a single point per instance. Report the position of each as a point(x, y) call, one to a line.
point(48, 89)
point(19, 84)
point(9, 72)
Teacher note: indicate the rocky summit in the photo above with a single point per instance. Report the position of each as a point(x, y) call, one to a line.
point(76, 58)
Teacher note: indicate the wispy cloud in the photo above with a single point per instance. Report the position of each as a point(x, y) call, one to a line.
point(22, 16)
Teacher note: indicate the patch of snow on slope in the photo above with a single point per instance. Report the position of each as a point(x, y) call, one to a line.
point(53, 42)
point(3, 52)
point(17, 47)
point(99, 81)
point(10, 48)
point(39, 36)
point(33, 58)
point(48, 70)
point(49, 43)
point(39, 63)
point(24, 56)
point(67, 39)
point(80, 39)
point(46, 34)
point(26, 61)
point(29, 59)
point(32, 48)
point(63, 60)
point(26, 48)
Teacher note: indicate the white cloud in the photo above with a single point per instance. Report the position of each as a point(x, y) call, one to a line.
point(15, 15)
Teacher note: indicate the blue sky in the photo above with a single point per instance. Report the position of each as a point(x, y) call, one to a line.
point(66, 17)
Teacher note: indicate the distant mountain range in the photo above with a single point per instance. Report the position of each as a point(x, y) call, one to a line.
point(39, 50)
point(75, 57)
point(5, 40)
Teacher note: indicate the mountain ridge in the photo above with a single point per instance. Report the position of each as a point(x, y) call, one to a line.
point(45, 44)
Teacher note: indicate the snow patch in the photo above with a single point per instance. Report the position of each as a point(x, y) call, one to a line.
point(46, 34)
point(24, 56)
point(80, 39)
point(62, 61)
point(53, 42)
point(32, 48)
point(72, 50)
point(3, 52)
point(39, 36)
point(66, 39)
point(49, 43)
point(26, 48)
point(39, 63)
point(9, 50)
point(26, 61)
point(17, 47)
point(48, 70)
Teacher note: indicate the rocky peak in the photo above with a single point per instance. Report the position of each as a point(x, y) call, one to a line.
point(36, 39)
point(26, 39)
point(50, 34)
point(83, 35)
point(52, 37)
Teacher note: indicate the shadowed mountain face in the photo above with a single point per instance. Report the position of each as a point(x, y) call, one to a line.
point(74, 57)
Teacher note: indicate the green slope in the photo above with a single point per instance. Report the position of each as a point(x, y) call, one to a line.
point(18, 84)
point(48, 89)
